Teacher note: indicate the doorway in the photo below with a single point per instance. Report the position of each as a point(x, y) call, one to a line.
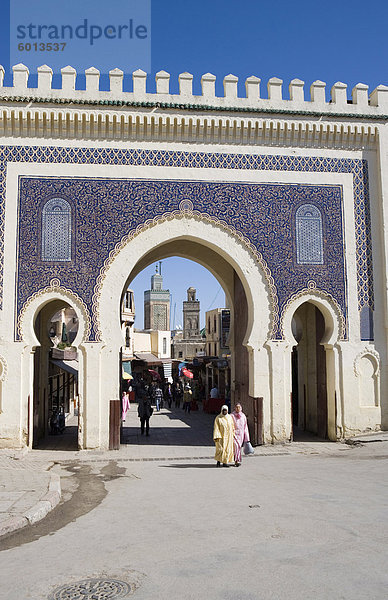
point(308, 368)
point(55, 387)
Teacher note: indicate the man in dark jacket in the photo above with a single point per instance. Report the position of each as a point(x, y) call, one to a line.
point(144, 412)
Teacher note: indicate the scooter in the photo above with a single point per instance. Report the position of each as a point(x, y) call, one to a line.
point(61, 422)
point(57, 422)
point(54, 422)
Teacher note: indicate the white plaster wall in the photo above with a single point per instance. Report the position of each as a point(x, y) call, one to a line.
point(157, 343)
point(142, 342)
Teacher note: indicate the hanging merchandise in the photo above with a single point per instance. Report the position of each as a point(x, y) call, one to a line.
point(187, 373)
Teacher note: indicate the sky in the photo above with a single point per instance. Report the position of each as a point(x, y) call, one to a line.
point(305, 39)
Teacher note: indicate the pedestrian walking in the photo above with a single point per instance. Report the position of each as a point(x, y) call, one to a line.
point(125, 404)
point(177, 394)
point(168, 395)
point(144, 412)
point(227, 396)
point(151, 392)
point(223, 437)
point(187, 396)
point(241, 433)
point(194, 402)
point(158, 398)
point(214, 392)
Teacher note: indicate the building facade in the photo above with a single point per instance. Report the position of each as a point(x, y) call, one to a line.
point(128, 323)
point(189, 343)
point(283, 198)
point(217, 332)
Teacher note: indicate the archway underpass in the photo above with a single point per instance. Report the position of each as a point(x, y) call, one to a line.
point(212, 364)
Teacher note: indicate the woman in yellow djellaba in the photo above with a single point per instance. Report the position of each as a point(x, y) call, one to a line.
point(223, 437)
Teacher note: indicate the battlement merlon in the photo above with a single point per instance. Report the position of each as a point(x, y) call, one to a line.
point(361, 103)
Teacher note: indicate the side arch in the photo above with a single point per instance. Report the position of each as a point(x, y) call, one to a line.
point(317, 376)
point(31, 308)
point(335, 325)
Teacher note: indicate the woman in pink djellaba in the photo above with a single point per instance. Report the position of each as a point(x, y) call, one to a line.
point(241, 433)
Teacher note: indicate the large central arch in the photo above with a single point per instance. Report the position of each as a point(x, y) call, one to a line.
point(227, 257)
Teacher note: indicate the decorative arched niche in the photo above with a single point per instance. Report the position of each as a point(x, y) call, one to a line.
point(3, 376)
point(367, 371)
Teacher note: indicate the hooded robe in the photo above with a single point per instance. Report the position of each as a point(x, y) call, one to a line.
point(241, 433)
point(223, 437)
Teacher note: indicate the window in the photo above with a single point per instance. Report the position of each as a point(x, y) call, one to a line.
point(366, 324)
point(56, 230)
point(164, 345)
point(180, 354)
point(128, 300)
point(309, 237)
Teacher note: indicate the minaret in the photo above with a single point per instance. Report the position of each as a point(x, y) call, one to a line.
point(157, 304)
point(191, 310)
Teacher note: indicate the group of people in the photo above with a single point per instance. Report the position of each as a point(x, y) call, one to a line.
point(230, 433)
point(156, 394)
point(166, 393)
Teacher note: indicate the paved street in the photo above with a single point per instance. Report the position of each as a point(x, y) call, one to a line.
point(302, 521)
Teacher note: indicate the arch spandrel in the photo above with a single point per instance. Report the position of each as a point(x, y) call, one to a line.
point(204, 232)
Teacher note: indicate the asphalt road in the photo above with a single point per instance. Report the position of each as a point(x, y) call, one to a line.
point(312, 524)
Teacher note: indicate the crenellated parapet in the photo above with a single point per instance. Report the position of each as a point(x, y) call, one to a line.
point(91, 113)
point(360, 104)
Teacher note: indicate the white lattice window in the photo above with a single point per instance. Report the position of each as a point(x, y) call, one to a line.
point(56, 230)
point(309, 237)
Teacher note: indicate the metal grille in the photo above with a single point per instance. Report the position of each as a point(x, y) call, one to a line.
point(309, 238)
point(93, 589)
point(56, 230)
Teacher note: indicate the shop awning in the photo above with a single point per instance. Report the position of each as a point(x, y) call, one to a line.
point(149, 358)
point(71, 366)
point(126, 365)
point(126, 370)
